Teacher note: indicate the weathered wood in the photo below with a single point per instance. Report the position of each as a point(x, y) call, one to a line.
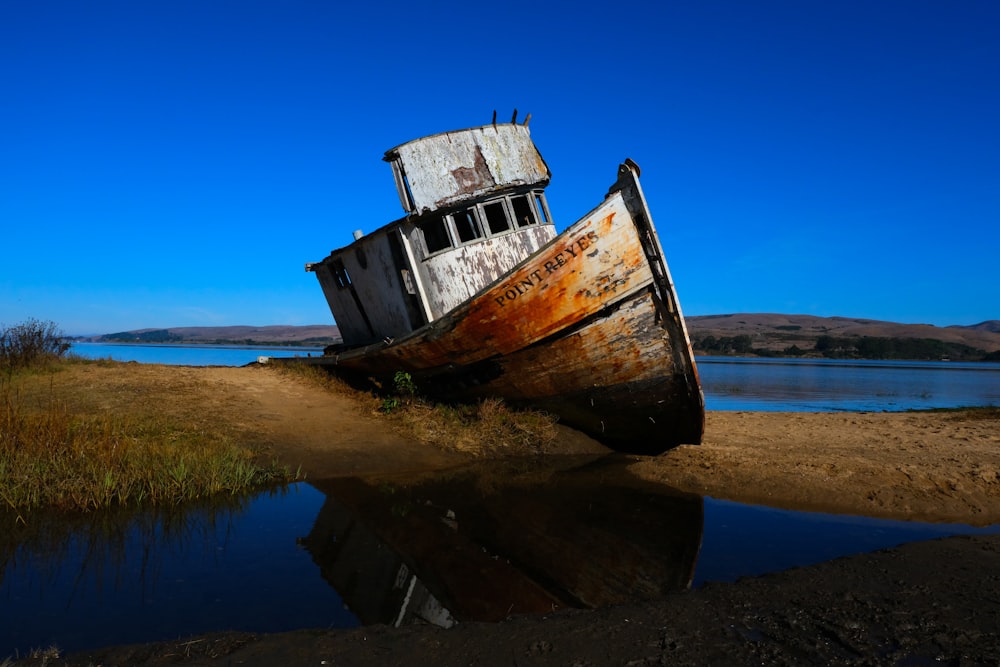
point(438, 171)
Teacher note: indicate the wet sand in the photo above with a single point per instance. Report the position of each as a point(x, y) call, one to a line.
point(922, 603)
point(926, 466)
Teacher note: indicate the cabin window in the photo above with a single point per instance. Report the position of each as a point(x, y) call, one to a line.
point(541, 208)
point(435, 233)
point(466, 225)
point(402, 185)
point(340, 275)
point(496, 217)
point(523, 214)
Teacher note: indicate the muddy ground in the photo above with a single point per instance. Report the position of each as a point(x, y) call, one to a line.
point(926, 603)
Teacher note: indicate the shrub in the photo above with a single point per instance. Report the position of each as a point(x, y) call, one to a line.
point(30, 343)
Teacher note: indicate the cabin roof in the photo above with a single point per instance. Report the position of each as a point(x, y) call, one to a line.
point(445, 169)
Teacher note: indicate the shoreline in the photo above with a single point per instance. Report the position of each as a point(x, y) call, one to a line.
point(874, 609)
point(921, 602)
point(936, 467)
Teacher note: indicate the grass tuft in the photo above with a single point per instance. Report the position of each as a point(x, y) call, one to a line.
point(58, 450)
point(487, 428)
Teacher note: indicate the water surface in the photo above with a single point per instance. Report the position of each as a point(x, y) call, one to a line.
point(115, 577)
point(825, 385)
point(188, 355)
point(337, 553)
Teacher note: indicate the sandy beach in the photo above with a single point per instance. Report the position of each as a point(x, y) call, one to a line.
point(918, 604)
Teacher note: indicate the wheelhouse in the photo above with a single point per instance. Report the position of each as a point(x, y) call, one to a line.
point(475, 207)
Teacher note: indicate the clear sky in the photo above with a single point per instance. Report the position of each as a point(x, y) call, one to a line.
point(177, 162)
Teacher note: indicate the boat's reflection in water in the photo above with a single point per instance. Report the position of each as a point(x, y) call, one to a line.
point(478, 544)
point(483, 546)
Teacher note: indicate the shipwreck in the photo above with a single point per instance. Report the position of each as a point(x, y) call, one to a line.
point(475, 294)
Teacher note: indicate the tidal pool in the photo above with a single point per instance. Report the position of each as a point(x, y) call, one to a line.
point(480, 544)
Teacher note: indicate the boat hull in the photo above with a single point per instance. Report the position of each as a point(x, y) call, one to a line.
point(587, 328)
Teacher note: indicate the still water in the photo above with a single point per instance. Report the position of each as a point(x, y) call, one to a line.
point(824, 385)
point(339, 553)
point(187, 355)
point(113, 577)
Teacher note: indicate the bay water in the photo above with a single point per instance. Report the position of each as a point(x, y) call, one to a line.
point(187, 355)
point(855, 385)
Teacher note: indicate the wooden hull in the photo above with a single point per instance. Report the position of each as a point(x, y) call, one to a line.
point(587, 328)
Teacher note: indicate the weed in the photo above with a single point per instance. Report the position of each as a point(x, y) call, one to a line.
point(405, 392)
point(404, 384)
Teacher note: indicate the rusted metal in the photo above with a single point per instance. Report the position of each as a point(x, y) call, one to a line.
point(585, 324)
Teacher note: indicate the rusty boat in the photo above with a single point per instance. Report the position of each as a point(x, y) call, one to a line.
point(474, 294)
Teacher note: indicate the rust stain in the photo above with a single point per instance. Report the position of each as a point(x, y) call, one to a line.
point(475, 178)
point(564, 284)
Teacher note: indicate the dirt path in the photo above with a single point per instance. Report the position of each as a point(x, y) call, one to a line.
point(324, 434)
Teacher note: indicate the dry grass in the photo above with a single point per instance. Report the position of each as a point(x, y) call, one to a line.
point(80, 436)
point(83, 435)
point(487, 428)
point(38, 656)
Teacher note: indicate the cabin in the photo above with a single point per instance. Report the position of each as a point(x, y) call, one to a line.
point(474, 207)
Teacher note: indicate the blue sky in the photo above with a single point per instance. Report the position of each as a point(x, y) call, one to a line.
point(176, 163)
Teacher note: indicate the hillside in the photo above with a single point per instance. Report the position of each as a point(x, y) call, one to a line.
point(313, 335)
point(777, 332)
point(769, 333)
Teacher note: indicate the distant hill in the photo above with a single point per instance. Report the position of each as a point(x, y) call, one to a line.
point(776, 333)
point(988, 325)
point(318, 335)
point(764, 333)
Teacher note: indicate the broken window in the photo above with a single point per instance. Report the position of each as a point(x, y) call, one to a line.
point(402, 185)
point(496, 217)
point(466, 225)
point(542, 208)
point(523, 214)
point(435, 233)
point(340, 274)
